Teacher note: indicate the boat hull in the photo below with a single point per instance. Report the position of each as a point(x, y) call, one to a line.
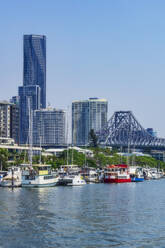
point(72, 181)
point(9, 184)
point(136, 179)
point(117, 180)
point(38, 185)
point(39, 182)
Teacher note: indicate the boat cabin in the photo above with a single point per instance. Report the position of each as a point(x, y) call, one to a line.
point(42, 169)
point(117, 174)
point(119, 168)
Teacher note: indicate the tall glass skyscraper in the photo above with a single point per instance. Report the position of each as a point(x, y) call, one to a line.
point(29, 100)
point(33, 90)
point(34, 68)
point(87, 115)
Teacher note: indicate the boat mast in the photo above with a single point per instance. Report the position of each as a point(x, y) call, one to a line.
point(72, 154)
point(40, 151)
point(85, 157)
point(67, 132)
point(41, 137)
point(30, 132)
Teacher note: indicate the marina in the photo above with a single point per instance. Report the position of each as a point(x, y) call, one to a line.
point(41, 175)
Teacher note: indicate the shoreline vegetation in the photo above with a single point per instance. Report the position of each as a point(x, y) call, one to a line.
point(101, 158)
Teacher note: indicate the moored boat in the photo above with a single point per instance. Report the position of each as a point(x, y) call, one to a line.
point(90, 175)
point(73, 180)
point(117, 174)
point(70, 176)
point(136, 174)
point(39, 176)
point(137, 179)
point(13, 177)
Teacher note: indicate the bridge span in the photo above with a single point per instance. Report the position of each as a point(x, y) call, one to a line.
point(124, 130)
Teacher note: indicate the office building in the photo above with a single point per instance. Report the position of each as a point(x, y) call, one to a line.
point(49, 127)
point(87, 115)
point(29, 100)
point(34, 67)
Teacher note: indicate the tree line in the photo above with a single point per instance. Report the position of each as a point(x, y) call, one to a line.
point(101, 158)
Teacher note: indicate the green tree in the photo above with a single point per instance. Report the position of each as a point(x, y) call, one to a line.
point(93, 140)
point(3, 158)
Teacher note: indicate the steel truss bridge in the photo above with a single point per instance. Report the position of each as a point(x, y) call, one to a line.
point(124, 130)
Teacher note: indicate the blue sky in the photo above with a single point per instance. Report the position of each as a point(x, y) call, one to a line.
point(113, 49)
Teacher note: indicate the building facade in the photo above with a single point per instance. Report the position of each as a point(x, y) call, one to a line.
point(14, 117)
point(5, 119)
point(15, 100)
point(34, 67)
point(9, 121)
point(29, 100)
point(49, 127)
point(87, 115)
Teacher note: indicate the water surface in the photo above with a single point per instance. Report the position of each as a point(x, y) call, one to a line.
point(90, 216)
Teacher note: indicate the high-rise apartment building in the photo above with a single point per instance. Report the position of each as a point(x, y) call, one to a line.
point(87, 115)
point(9, 120)
point(29, 100)
point(15, 115)
point(5, 119)
point(34, 68)
point(49, 127)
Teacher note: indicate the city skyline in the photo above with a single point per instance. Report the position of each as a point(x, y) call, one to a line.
point(108, 50)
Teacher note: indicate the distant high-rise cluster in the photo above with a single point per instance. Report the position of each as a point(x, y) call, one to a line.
point(26, 117)
point(32, 97)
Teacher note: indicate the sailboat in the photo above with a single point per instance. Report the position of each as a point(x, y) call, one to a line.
point(38, 175)
point(70, 174)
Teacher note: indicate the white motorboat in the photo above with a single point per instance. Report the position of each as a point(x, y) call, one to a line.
point(13, 177)
point(72, 180)
point(70, 176)
point(39, 176)
point(156, 174)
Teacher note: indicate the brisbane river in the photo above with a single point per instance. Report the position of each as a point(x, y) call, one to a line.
point(91, 216)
